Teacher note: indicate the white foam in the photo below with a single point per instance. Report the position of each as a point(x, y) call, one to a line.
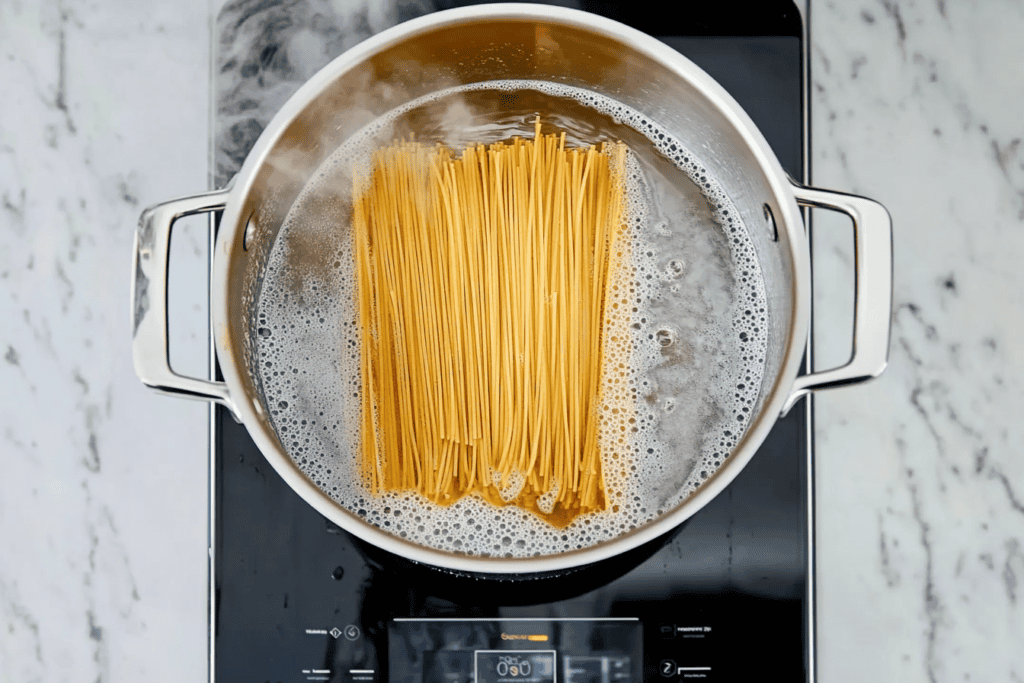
point(677, 394)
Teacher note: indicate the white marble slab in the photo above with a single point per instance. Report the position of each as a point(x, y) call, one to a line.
point(103, 492)
point(920, 477)
point(920, 480)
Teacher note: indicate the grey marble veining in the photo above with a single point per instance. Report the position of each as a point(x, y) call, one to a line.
point(102, 512)
point(920, 479)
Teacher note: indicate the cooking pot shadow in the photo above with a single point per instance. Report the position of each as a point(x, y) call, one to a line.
point(512, 588)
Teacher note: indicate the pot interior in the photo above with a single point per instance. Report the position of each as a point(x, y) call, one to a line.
point(720, 228)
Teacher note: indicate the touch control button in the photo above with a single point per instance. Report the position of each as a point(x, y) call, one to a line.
point(351, 632)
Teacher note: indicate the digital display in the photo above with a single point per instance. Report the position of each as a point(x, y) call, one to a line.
point(515, 650)
point(510, 666)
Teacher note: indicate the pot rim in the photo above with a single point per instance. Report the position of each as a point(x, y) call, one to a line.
point(249, 411)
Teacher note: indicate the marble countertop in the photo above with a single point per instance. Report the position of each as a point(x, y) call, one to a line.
point(103, 498)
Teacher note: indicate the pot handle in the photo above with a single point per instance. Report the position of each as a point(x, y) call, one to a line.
point(149, 300)
point(872, 232)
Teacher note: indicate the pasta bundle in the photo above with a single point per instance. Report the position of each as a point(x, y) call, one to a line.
point(482, 285)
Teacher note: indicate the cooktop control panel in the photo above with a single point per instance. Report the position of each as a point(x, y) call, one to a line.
point(524, 650)
point(692, 646)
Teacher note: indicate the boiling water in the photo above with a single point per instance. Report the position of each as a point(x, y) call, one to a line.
point(694, 302)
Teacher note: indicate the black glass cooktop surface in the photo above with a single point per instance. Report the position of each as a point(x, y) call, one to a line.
point(726, 597)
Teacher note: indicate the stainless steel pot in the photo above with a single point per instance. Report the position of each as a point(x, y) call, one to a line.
point(485, 43)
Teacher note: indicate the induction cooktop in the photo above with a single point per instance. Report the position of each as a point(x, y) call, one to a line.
point(728, 596)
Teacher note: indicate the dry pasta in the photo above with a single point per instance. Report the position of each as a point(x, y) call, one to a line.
point(482, 284)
